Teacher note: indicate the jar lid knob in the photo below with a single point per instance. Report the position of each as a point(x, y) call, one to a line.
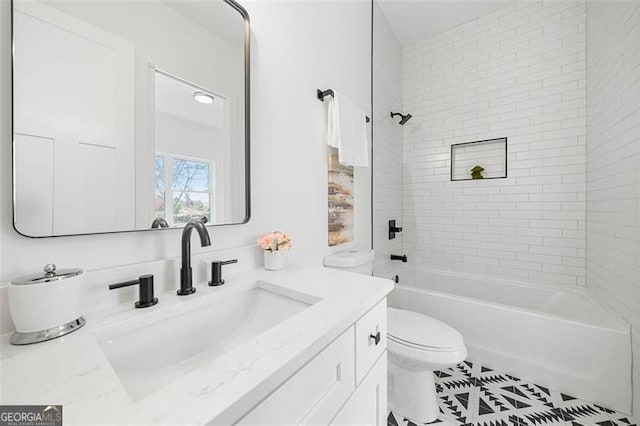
point(50, 268)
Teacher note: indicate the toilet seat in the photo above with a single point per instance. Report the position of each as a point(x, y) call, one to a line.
point(421, 342)
point(421, 332)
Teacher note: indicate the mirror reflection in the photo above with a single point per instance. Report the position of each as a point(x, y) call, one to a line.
point(128, 115)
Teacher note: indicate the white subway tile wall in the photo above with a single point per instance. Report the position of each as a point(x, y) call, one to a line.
point(387, 146)
point(613, 163)
point(517, 73)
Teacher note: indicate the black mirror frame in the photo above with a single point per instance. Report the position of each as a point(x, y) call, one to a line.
point(247, 139)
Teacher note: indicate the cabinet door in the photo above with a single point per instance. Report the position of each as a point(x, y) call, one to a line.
point(368, 404)
point(315, 393)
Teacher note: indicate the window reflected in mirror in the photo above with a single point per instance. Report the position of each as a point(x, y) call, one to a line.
point(188, 185)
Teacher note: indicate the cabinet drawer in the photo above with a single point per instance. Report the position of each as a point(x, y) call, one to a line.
point(367, 350)
point(315, 393)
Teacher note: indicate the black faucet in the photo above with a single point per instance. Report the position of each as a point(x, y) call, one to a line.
point(186, 279)
point(398, 257)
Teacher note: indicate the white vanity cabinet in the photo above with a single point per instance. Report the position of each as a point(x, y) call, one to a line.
point(346, 383)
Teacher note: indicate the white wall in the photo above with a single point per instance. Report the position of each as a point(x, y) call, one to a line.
point(293, 54)
point(517, 73)
point(387, 156)
point(613, 163)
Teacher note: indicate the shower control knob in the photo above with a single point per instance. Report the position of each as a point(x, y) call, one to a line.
point(393, 229)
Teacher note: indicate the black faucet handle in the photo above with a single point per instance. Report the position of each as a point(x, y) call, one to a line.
point(216, 271)
point(145, 291)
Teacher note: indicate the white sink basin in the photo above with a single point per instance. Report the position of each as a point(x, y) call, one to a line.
point(165, 345)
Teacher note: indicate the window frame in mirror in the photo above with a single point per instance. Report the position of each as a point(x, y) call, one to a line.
point(247, 134)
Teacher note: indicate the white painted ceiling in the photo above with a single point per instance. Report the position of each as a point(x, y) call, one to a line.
point(416, 20)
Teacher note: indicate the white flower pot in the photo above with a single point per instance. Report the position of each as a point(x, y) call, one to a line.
point(274, 260)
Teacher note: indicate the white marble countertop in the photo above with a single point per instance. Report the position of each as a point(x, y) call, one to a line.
point(74, 371)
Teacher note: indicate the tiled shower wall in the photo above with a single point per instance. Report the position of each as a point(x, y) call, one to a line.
point(387, 156)
point(516, 73)
point(613, 163)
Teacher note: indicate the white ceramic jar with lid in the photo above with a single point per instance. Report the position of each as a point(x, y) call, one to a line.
point(45, 305)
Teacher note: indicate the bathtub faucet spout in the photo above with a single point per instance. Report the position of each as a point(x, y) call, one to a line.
point(398, 257)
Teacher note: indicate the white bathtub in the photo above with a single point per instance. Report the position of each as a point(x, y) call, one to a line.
point(561, 338)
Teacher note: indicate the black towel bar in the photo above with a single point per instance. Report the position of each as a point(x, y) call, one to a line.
point(329, 92)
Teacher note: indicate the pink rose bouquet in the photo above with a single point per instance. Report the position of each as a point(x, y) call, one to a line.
point(275, 241)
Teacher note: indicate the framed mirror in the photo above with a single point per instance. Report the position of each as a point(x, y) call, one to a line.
point(129, 115)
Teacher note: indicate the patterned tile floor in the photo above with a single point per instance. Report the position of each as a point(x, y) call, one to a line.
point(472, 395)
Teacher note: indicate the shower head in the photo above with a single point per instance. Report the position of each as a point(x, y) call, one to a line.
point(404, 119)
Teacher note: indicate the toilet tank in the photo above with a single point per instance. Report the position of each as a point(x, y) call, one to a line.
point(354, 260)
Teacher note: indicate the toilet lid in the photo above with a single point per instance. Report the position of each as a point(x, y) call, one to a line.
point(416, 329)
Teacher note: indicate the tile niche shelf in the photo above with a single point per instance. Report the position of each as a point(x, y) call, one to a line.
point(491, 154)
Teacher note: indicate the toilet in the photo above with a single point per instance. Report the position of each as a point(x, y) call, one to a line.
point(417, 346)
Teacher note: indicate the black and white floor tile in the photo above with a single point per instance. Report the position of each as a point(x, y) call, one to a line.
point(473, 395)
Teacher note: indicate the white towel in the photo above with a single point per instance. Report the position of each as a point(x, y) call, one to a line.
point(347, 131)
